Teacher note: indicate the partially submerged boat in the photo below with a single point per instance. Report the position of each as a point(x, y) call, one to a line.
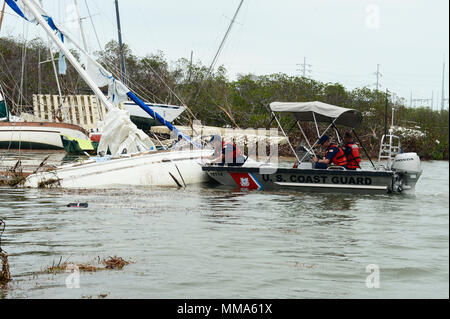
point(161, 168)
point(395, 171)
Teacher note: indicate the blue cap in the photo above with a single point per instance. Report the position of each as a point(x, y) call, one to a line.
point(323, 139)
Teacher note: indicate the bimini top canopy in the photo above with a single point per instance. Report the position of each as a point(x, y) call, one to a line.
point(325, 113)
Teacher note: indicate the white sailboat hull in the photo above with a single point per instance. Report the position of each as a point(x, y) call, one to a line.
point(168, 168)
point(35, 135)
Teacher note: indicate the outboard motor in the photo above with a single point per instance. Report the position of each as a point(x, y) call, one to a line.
point(407, 170)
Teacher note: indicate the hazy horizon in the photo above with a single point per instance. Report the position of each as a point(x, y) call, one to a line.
point(343, 41)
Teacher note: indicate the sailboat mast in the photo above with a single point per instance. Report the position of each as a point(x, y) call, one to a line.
point(2, 14)
point(122, 58)
point(85, 45)
point(80, 23)
point(55, 72)
point(67, 53)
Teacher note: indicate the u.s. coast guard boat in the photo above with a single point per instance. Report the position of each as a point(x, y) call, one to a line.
point(395, 171)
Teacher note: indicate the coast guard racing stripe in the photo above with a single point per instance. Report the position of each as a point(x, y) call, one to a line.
point(246, 181)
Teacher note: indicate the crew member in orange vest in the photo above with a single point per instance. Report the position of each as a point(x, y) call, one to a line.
point(227, 153)
point(334, 155)
point(351, 151)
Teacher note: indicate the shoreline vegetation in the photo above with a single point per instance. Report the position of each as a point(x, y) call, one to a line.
point(218, 101)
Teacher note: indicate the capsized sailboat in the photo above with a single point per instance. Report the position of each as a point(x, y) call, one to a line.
point(396, 171)
point(134, 158)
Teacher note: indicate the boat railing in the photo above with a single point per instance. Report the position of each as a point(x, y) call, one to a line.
point(389, 148)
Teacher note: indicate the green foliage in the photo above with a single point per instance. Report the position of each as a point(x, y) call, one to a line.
point(218, 101)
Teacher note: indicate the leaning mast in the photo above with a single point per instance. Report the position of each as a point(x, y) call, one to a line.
point(122, 58)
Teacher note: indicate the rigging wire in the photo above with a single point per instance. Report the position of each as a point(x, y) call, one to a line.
point(93, 25)
point(141, 90)
point(168, 87)
point(216, 57)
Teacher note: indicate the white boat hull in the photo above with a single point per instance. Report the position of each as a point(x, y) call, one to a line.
point(168, 112)
point(169, 168)
point(26, 135)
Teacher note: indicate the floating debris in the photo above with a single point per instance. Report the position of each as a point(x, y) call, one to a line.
point(14, 176)
point(78, 205)
point(69, 266)
point(5, 275)
point(51, 183)
point(113, 263)
point(303, 265)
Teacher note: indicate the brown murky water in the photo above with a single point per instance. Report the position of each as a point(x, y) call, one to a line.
point(209, 242)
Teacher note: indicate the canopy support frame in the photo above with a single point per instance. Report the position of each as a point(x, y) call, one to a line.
point(328, 128)
point(317, 126)
point(364, 148)
point(306, 139)
point(287, 138)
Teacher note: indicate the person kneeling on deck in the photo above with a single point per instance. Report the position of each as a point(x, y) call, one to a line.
point(334, 155)
point(226, 153)
point(351, 151)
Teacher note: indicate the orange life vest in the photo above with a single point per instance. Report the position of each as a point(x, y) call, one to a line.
point(339, 159)
point(353, 159)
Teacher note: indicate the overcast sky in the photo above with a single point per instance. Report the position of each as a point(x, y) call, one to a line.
point(343, 40)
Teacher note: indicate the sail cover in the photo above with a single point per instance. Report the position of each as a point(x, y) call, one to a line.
point(23, 11)
point(121, 136)
point(320, 112)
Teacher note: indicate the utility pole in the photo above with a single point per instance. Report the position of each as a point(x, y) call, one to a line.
point(190, 66)
point(305, 67)
point(432, 100)
point(378, 75)
point(122, 58)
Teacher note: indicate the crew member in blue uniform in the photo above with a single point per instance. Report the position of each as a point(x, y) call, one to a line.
point(334, 155)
